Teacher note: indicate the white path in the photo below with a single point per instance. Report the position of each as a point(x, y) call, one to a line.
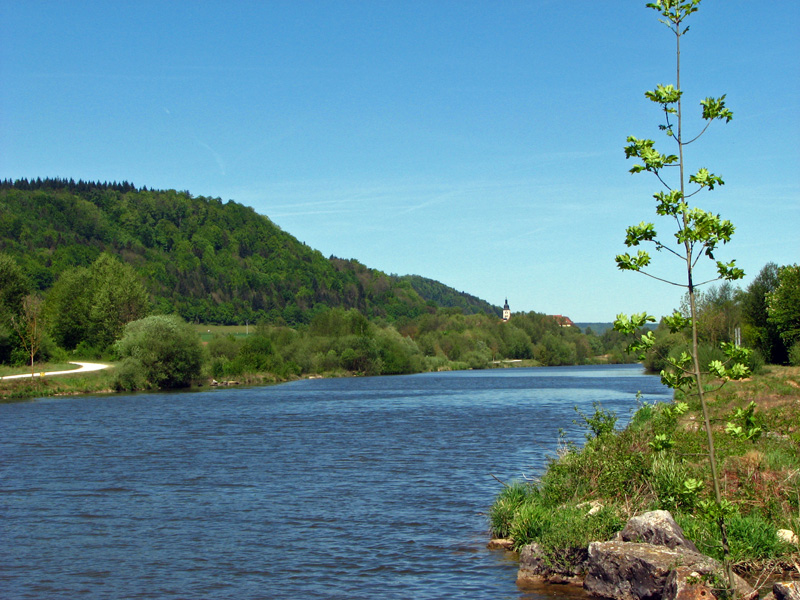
point(82, 366)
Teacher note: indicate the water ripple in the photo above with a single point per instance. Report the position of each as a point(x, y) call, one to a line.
point(352, 488)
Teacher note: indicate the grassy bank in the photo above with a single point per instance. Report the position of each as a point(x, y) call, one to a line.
point(659, 462)
point(89, 382)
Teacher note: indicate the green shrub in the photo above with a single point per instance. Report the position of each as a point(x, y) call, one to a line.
point(560, 530)
point(165, 349)
point(223, 346)
point(509, 500)
point(569, 530)
point(794, 355)
point(600, 423)
point(129, 375)
point(530, 521)
point(86, 350)
point(674, 485)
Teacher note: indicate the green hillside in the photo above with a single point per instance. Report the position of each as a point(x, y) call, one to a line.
point(442, 295)
point(209, 261)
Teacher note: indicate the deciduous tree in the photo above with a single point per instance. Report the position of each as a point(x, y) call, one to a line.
point(118, 297)
point(783, 305)
point(13, 288)
point(759, 332)
point(29, 326)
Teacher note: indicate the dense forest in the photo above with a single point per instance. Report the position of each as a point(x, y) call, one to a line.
point(208, 261)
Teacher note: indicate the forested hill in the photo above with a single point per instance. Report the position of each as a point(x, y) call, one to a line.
point(208, 260)
point(442, 295)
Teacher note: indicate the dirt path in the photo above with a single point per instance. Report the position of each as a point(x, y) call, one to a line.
point(82, 367)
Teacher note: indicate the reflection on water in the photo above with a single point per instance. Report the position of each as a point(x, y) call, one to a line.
point(340, 488)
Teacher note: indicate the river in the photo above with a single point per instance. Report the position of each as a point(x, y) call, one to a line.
point(351, 488)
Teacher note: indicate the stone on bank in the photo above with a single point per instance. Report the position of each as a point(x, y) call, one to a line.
point(650, 559)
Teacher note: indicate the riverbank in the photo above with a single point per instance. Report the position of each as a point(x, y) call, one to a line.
point(658, 462)
point(55, 380)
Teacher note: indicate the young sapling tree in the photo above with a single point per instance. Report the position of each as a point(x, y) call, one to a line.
point(29, 327)
point(697, 235)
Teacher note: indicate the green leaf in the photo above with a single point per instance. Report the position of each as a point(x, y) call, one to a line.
point(653, 159)
point(729, 271)
point(716, 368)
point(738, 371)
point(626, 262)
point(714, 108)
point(677, 322)
point(733, 429)
point(642, 232)
point(632, 324)
point(665, 95)
point(661, 442)
point(705, 179)
point(735, 353)
point(669, 203)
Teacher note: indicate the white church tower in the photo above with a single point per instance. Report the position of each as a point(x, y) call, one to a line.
point(506, 311)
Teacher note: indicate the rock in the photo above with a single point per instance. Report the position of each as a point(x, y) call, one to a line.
point(630, 570)
point(500, 543)
point(656, 527)
point(685, 583)
point(595, 506)
point(532, 565)
point(634, 571)
point(786, 590)
point(536, 569)
point(788, 536)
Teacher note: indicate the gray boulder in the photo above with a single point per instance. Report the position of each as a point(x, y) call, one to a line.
point(634, 571)
point(656, 527)
point(535, 569)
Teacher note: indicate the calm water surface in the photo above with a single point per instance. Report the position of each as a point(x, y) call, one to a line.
point(330, 488)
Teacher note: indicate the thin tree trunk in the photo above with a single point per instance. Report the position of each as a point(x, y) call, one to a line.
point(712, 455)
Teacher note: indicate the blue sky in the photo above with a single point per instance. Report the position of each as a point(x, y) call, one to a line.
point(476, 143)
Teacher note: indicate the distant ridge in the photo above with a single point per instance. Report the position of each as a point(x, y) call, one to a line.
point(442, 295)
point(601, 328)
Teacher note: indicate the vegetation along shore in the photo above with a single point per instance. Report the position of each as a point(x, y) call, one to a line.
point(588, 493)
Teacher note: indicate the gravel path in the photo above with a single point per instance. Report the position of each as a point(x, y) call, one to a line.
point(82, 366)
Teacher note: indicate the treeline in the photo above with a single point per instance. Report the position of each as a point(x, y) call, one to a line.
point(207, 260)
point(104, 311)
point(764, 316)
point(344, 340)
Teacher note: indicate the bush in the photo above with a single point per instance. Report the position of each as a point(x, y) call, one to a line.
point(601, 423)
point(524, 514)
point(129, 375)
point(86, 350)
point(164, 349)
point(501, 514)
point(794, 355)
